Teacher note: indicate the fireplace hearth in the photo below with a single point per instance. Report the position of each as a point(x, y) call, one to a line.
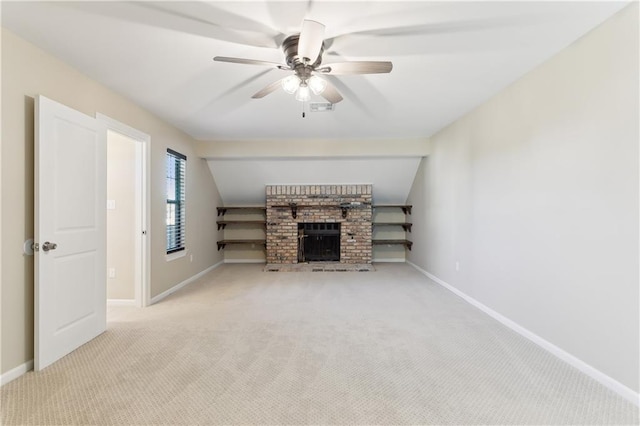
point(319, 242)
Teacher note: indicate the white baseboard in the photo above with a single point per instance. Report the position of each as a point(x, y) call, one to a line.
point(245, 261)
point(178, 286)
point(16, 372)
point(609, 382)
point(390, 260)
point(121, 302)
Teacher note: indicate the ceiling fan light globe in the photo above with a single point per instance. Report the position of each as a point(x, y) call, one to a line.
point(317, 84)
point(303, 94)
point(291, 84)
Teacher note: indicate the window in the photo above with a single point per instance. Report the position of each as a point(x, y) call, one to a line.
point(176, 217)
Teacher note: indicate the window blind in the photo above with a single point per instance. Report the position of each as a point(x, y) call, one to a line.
point(176, 168)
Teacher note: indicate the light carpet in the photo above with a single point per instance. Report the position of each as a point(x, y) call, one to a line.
point(243, 346)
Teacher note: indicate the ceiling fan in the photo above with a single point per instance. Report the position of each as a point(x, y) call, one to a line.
point(303, 55)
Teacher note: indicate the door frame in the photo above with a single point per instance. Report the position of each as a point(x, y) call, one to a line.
point(143, 217)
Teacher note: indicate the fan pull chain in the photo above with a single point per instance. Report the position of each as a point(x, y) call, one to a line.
point(303, 113)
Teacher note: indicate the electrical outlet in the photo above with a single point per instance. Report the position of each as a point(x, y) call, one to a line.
point(112, 272)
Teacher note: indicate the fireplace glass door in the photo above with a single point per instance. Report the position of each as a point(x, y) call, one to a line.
point(319, 242)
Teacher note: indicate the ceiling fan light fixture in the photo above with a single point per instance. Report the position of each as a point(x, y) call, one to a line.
point(317, 84)
point(303, 94)
point(290, 84)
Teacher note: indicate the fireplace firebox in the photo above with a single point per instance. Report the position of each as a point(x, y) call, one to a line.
point(319, 242)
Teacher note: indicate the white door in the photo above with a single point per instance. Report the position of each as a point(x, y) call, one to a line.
point(70, 230)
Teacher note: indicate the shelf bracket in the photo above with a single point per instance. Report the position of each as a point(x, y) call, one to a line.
point(406, 209)
point(221, 226)
point(221, 245)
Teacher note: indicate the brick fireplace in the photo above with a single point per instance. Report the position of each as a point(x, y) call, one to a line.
point(299, 214)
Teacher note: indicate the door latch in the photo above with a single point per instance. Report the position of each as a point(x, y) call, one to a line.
point(49, 246)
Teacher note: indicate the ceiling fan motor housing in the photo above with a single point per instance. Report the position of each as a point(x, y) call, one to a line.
point(290, 48)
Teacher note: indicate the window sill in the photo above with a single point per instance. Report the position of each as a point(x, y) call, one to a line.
point(175, 255)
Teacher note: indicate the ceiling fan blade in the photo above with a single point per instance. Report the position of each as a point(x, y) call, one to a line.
point(250, 62)
point(460, 26)
point(269, 89)
point(286, 15)
point(426, 37)
point(331, 94)
point(247, 31)
point(354, 98)
point(226, 103)
point(357, 67)
point(181, 17)
point(311, 39)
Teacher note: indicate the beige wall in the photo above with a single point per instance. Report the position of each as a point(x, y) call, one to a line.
point(121, 224)
point(28, 71)
point(535, 194)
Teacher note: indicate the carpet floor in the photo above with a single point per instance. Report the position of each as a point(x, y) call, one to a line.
point(243, 346)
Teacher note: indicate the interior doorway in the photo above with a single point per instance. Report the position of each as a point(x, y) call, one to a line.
point(127, 215)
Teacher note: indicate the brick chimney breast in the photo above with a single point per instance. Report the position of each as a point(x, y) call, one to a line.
point(349, 205)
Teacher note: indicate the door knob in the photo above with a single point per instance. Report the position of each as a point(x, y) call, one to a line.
point(49, 246)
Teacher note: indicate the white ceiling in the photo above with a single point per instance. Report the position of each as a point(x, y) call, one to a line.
point(448, 57)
